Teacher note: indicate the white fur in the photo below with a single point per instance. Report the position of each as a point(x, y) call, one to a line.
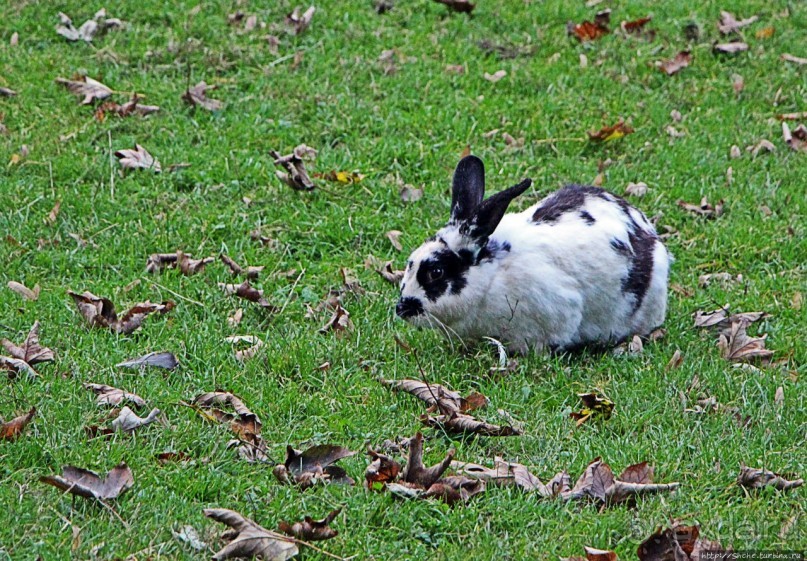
point(560, 284)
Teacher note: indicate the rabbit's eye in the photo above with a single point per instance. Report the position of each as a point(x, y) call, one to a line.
point(435, 274)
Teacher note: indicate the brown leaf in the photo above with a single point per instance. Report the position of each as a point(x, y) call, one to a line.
point(248, 539)
point(13, 429)
point(589, 31)
point(679, 543)
point(392, 276)
point(613, 132)
point(462, 6)
point(108, 395)
point(381, 470)
point(598, 482)
point(394, 237)
point(636, 189)
point(90, 89)
point(763, 145)
point(704, 208)
point(131, 107)
point(339, 322)
point(53, 214)
point(85, 483)
point(455, 489)
point(738, 346)
point(88, 30)
point(676, 64)
point(797, 140)
point(752, 478)
point(311, 530)
point(247, 292)
point(188, 266)
point(158, 261)
point(415, 472)
point(250, 272)
point(30, 351)
point(460, 423)
point(197, 96)
point(433, 394)
point(139, 158)
point(28, 293)
point(676, 361)
point(636, 26)
point(297, 22)
point(314, 466)
point(511, 473)
point(728, 24)
point(296, 175)
point(100, 312)
point(721, 319)
point(730, 48)
point(15, 366)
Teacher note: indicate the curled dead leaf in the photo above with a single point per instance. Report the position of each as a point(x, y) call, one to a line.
point(295, 176)
point(139, 158)
point(197, 96)
point(248, 539)
point(27, 293)
point(704, 208)
point(752, 478)
point(613, 132)
point(88, 484)
point(13, 428)
point(100, 312)
point(91, 90)
point(676, 64)
point(311, 530)
point(589, 31)
point(31, 351)
point(108, 395)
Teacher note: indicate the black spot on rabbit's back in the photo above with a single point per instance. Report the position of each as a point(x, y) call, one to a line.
point(454, 269)
point(587, 217)
point(640, 273)
point(569, 199)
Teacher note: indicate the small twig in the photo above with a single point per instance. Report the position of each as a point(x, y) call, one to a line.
point(112, 510)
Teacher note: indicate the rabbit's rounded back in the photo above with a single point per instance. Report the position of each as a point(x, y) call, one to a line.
point(580, 267)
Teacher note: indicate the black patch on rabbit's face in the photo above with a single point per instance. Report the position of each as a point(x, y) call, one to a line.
point(444, 271)
point(491, 250)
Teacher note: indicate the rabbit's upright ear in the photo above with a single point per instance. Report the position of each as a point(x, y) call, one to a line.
point(488, 214)
point(468, 188)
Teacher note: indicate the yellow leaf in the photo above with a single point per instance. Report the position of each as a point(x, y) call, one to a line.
point(765, 33)
point(15, 159)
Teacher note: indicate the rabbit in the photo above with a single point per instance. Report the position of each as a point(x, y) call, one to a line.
point(582, 267)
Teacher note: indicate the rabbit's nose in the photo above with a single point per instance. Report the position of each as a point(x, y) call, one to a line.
point(408, 307)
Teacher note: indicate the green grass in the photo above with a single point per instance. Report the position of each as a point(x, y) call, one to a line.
point(410, 125)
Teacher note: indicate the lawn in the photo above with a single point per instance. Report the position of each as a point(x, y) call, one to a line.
point(372, 94)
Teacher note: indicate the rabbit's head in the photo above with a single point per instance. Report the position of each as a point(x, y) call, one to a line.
point(442, 276)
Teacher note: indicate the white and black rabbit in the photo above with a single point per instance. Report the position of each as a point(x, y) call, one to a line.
point(580, 267)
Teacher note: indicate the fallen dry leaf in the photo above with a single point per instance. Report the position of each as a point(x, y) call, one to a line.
point(636, 189)
point(729, 24)
point(594, 405)
point(247, 292)
point(13, 429)
point(7, 92)
point(128, 421)
point(88, 30)
point(297, 22)
point(88, 484)
point(598, 482)
point(676, 64)
point(437, 396)
point(496, 76)
point(30, 351)
point(296, 175)
point(416, 472)
point(704, 208)
point(189, 266)
point(730, 48)
point(108, 395)
point(707, 279)
point(236, 269)
point(15, 366)
point(382, 470)
point(676, 361)
point(315, 465)
point(455, 489)
point(248, 539)
point(309, 529)
point(462, 6)
point(721, 319)
point(738, 346)
point(797, 140)
point(339, 321)
point(752, 478)
point(410, 194)
point(462, 424)
point(139, 158)
point(394, 236)
point(763, 145)
point(679, 543)
point(244, 423)
point(613, 132)
point(636, 27)
point(243, 354)
point(589, 31)
point(197, 96)
point(100, 312)
point(24, 291)
point(794, 59)
point(90, 89)
point(162, 359)
point(511, 473)
point(131, 107)
point(765, 33)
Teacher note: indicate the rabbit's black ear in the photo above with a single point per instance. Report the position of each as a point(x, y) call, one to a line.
point(468, 188)
point(488, 214)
